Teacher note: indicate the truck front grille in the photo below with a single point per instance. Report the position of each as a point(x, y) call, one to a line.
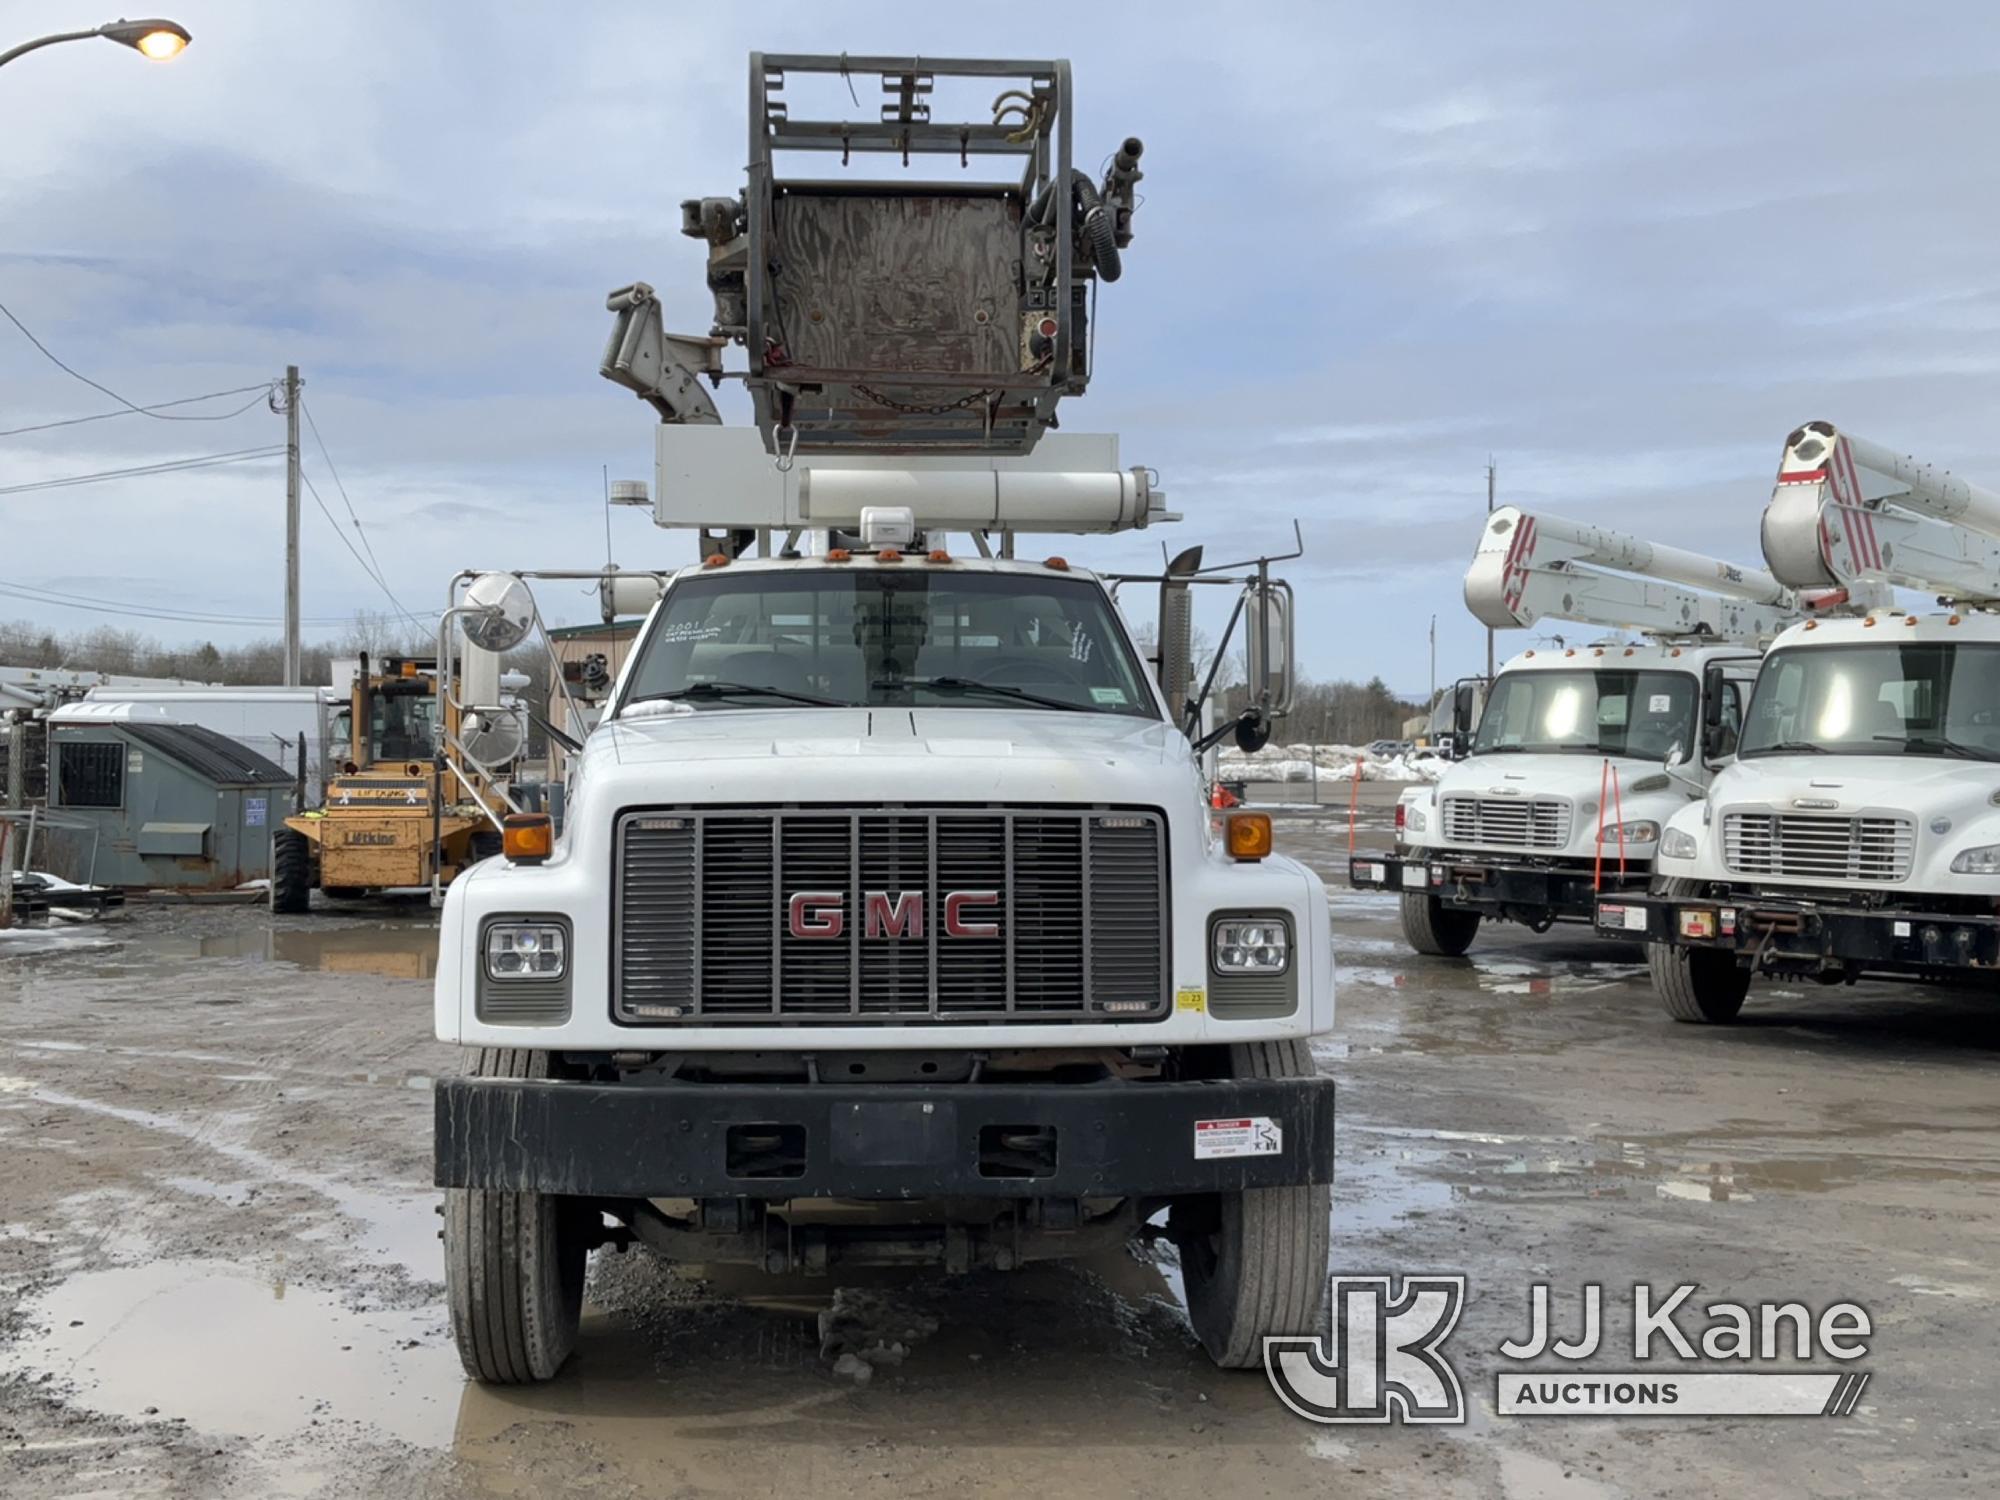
point(1819, 846)
point(890, 914)
point(1506, 822)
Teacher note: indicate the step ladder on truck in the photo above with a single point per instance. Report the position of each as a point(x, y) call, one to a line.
point(1581, 752)
point(888, 922)
point(1856, 833)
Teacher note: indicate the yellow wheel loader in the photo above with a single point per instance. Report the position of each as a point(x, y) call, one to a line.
point(400, 812)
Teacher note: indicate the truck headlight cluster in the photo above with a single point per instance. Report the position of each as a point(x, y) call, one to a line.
point(1255, 945)
point(1414, 819)
point(1630, 833)
point(526, 950)
point(1981, 859)
point(1678, 844)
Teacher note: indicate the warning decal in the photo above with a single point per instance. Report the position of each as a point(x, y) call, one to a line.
point(1253, 1135)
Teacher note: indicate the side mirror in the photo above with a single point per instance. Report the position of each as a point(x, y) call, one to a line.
point(1268, 645)
point(1176, 660)
point(1253, 731)
point(1464, 709)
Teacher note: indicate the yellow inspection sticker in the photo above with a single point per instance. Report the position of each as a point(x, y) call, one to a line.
point(1191, 997)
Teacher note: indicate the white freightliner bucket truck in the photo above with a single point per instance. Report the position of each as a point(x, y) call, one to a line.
point(1582, 752)
point(889, 877)
point(1857, 831)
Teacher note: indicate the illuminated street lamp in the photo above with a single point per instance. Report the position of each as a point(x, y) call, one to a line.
point(153, 38)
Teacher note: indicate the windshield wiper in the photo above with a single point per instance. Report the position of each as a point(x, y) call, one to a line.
point(738, 690)
point(1789, 747)
point(1936, 745)
point(967, 685)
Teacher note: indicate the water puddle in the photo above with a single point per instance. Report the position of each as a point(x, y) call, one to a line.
point(387, 950)
point(273, 1360)
point(1395, 1173)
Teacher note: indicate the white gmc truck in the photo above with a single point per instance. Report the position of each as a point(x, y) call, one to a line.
point(889, 920)
point(886, 879)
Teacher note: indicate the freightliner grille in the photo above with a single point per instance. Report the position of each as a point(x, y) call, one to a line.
point(1506, 822)
point(702, 930)
point(1820, 846)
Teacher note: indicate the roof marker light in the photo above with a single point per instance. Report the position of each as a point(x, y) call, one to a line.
point(716, 560)
point(1057, 564)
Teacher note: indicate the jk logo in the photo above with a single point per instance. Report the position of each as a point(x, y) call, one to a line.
point(1379, 1360)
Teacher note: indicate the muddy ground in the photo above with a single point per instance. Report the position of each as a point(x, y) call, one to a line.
point(219, 1267)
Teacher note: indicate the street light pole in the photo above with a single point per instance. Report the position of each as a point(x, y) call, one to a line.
point(153, 38)
point(1489, 512)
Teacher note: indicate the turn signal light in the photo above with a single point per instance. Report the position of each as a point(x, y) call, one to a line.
point(528, 838)
point(1249, 835)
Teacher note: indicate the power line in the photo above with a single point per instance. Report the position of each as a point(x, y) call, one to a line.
point(158, 406)
point(359, 530)
point(379, 582)
point(105, 606)
point(166, 466)
point(49, 355)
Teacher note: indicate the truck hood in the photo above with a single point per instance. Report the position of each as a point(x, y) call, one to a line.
point(1921, 785)
point(886, 754)
point(1577, 777)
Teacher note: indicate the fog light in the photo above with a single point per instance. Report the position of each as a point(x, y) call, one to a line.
point(1697, 924)
point(526, 950)
point(1252, 945)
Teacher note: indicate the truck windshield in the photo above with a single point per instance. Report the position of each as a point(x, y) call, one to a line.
point(884, 636)
point(1641, 714)
point(1930, 699)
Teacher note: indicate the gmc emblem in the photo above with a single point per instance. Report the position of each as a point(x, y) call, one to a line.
point(889, 914)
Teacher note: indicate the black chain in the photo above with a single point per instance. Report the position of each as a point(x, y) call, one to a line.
point(870, 393)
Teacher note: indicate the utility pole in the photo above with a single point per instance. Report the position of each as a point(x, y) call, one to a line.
point(1434, 662)
point(291, 525)
point(1489, 512)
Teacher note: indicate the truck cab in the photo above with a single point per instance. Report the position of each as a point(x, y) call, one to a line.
point(887, 885)
point(1581, 755)
point(1857, 832)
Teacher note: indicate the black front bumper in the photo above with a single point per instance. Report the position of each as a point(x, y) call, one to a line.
point(781, 1141)
point(1497, 887)
point(1797, 932)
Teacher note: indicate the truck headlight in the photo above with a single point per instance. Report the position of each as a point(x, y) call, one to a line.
point(526, 950)
point(1678, 844)
point(1630, 833)
point(1981, 859)
point(1253, 945)
point(1414, 819)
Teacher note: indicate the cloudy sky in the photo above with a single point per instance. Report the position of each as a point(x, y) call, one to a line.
point(1621, 249)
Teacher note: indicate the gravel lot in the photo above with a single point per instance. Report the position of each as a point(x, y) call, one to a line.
point(219, 1268)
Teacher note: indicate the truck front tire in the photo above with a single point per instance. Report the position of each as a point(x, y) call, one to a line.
point(513, 1264)
point(291, 872)
point(1697, 984)
point(1254, 1262)
point(1434, 929)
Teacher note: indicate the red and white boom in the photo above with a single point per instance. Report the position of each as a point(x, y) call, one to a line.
point(1534, 567)
point(1937, 533)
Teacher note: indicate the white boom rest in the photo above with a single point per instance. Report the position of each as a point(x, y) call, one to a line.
point(985, 500)
point(711, 476)
point(1940, 533)
point(1531, 567)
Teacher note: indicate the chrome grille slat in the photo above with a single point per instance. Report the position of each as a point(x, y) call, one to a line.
point(700, 930)
point(1507, 822)
point(1819, 846)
